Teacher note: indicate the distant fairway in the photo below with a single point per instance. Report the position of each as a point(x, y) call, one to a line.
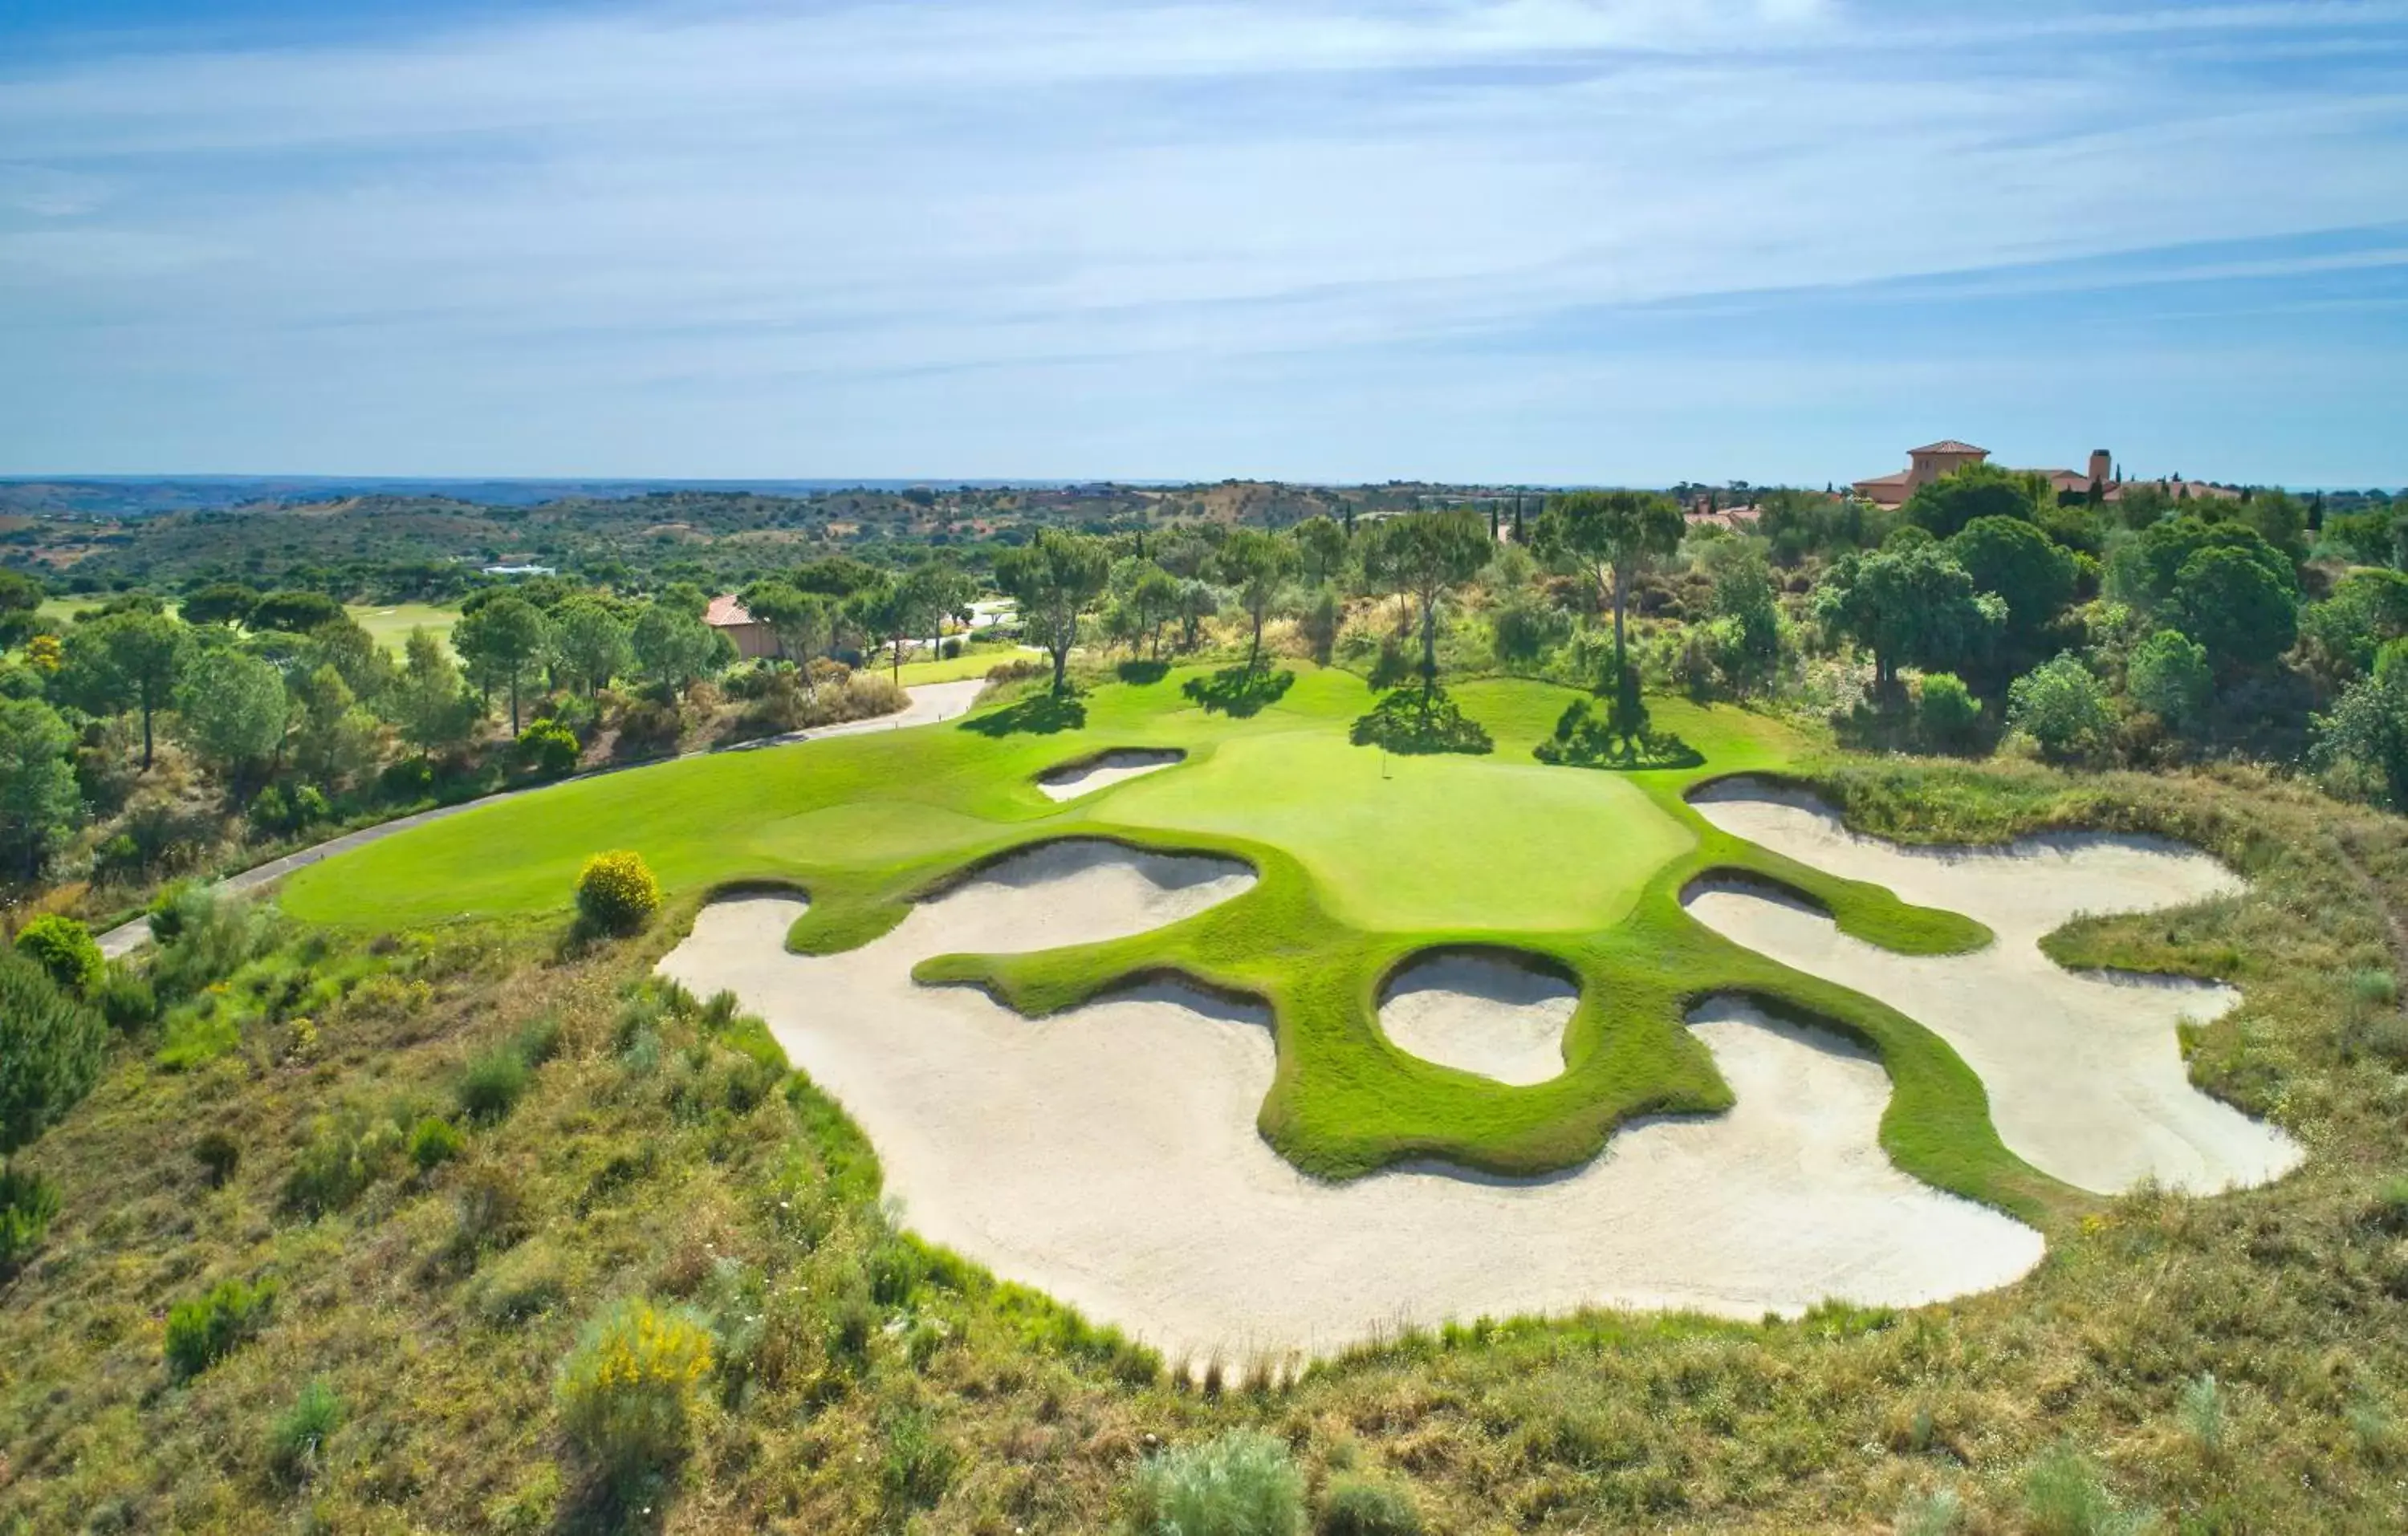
point(389, 622)
point(392, 623)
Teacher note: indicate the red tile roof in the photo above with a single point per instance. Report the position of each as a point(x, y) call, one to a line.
point(1951, 446)
point(724, 612)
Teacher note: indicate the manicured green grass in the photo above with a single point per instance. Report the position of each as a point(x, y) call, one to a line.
point(391, 622)
point(1365, 860)
point(976, 662)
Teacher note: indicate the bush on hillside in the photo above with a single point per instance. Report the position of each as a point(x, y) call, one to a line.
point(616, 892)
point(2065, 1496)
point(219, 1156)
point(1243, 1483)
point(204, 1332)
point(297, 1440)
point(346, 1152)
point(1946, 709)
point(433, 1142)
point(1356, 1505)
point(490, 1083)
point(2063, 707)
point(627, 1391)
point(126, 999)
point(28, 1202)
point(50, 1048)
point(65, 949)
point(548, 749)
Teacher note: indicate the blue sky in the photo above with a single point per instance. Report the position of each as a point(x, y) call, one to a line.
point(1535, 240)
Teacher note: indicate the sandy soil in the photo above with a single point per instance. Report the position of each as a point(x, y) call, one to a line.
point(2085, 1072)
point(1109, 1155)
point(1483, 1014)
point(1104, 771)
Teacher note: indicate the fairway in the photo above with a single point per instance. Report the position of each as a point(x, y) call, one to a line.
point(1402, 843)
point(1362, 860)
point(390, 623)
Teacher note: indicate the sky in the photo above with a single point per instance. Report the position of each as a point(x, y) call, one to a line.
point(1522, 241)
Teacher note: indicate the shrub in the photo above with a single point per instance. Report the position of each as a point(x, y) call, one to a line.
point(914, 1468)
point(1947, 709)
point(2064, 1496)
point(126, 1000)
point(65, 949)
point(50, 1048)
point(491, 1082)
point(1934, 1514)
point(433, 1142)
point(527, 1281)
point(1242, 1484)
point(346, 1152)
point(2062, 708)
point(548, 749)
point(2168, 676)
point(28, 1203)
point(202, 1333)
point(2202, 1411)
point(1358, 1505)
point(626, 1390)
point(297, 1440)
point(219, 1156)
point(616, 892)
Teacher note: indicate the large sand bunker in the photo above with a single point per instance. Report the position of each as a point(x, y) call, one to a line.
point(1109, 1155)
point(1484, 1013)
point(2085, 1072)
point(1104, 771)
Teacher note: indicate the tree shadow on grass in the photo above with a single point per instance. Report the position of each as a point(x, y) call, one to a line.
point(1144, 671)
point(1411, 722)
point(1040, 714)
point(1239, 690)
point(1582, 739)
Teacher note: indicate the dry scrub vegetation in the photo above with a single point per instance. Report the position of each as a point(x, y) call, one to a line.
point(645, 1282)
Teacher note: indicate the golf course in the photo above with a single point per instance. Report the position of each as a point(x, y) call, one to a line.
point(1062, 956)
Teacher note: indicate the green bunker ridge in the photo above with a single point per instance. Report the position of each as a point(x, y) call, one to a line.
point(1365, 862)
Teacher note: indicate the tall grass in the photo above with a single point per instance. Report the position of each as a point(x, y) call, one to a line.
point(1243, 1483)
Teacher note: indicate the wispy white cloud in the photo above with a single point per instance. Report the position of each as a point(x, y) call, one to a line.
point(659, 210)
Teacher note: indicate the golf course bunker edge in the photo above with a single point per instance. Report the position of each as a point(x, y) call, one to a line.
point(1495, 1013)
point(1109, 1155)
point(1102, 771)
point(2084, 1072)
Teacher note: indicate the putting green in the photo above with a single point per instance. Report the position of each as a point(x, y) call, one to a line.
point(1362, 866)
point(1402, 843)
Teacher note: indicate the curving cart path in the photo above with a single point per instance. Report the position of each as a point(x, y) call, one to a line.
point(929, 703)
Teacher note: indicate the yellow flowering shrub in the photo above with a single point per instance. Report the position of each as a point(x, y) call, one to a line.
point(627, 1388)
point(616, 892)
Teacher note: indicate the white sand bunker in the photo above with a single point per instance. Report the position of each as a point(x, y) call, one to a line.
point(1109, 1155)
point(2085, 1072)
point(1483, 1012)
point(1104, 771)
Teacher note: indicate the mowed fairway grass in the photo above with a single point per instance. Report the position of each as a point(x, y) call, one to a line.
point(1416, 842)
point(389, 624)
point(1364, 863)
point(1495, 841)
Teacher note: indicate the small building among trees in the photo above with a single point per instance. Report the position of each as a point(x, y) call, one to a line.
point(753, 638)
